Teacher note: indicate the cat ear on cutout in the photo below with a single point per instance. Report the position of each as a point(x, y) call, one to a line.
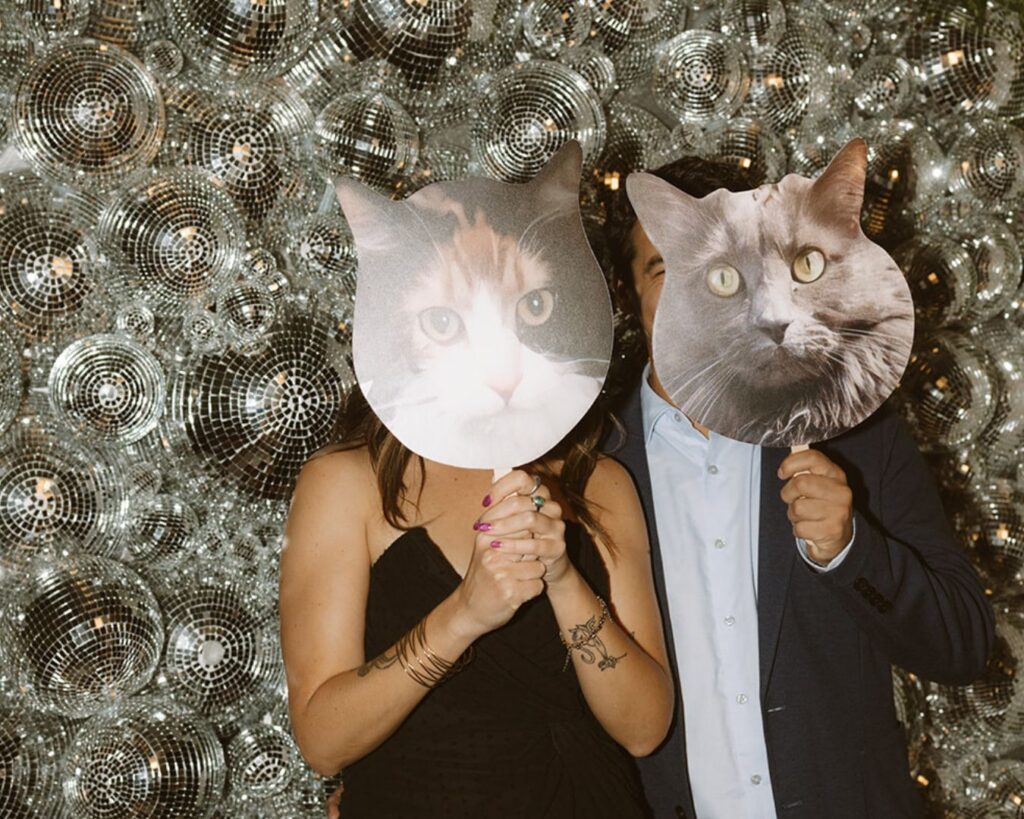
point(562, 171)
point(838, 193)
point(666, 214)
point(367, 212)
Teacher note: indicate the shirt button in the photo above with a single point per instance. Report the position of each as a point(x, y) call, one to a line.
point(741, 698)
point(730, 620)
point(677, 417)
point(719, 544)
point(756, 779)
point(713, 469)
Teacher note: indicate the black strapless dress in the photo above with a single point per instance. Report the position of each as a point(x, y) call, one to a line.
point(508, 737)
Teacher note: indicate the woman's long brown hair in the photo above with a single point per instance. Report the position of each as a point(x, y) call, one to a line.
point(578, 452)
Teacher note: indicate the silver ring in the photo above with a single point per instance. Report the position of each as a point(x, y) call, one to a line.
point(536, 485)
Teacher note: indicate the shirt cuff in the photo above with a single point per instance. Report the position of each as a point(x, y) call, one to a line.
point(801, 546)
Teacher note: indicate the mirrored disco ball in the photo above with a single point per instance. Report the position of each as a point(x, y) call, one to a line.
point(987, 161)
point(948, 392)
point(253, 140)
point(992, 707)
point(1005, 787)
point(84, 632)
point(941, 277)
point(172, 236)
point(368, 136)
point(262, 760)
point(16, 51)
point(247, 41)
point(30, 747)
point(964, 67)
point(634, 135)
point(554, 26)
point(163, 58)
point(529, 110)
point(1000, 442)
point(789, 79)
point(136, 320)
point(324, 69)
point(247, 309)
point(997, 262)
point(816, 142)
point(12, 388)
point(161, 534)
point(911, 709)
point(47, 253)
point(415, 37)
point(758, 22)
point(322, 248)
point(749, 145)
point(701, 76)
point(144, 758)
point(626, 24)
point(56, 489)
point(999, 550)
point(882, 86)
point(907, 173)
point(122, 22)
point(88, 113)
point(47, 18)
point(107, 387)
point(685, 139)
point(257, 418)
point(222, 656)
point(595, 67)
point(850, 11)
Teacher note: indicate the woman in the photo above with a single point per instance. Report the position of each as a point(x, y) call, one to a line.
point(469, 648)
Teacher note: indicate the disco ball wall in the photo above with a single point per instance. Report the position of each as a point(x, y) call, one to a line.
point(176, 284)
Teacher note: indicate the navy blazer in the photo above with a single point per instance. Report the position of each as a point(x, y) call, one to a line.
point(906, 594)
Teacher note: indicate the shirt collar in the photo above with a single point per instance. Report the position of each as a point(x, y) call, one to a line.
point(652, 405)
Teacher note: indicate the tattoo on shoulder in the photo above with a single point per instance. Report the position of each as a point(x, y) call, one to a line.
point(385, 660)
point(593, 649)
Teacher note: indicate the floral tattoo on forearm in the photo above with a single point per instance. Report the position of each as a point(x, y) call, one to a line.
point(591, 647)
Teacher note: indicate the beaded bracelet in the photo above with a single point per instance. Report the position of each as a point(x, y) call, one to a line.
point(586, 632)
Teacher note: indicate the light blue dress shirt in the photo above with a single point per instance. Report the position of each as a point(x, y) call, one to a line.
point(707, 504)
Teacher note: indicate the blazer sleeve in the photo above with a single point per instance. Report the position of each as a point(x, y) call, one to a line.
point(906, 581)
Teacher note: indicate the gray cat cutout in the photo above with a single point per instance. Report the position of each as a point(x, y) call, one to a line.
point(779, 322)
point(483, 326)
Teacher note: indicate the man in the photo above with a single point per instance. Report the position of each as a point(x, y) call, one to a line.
point(782, 646)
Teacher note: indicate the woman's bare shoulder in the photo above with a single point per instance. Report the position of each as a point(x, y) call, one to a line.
point(609, 481)
point(337, 477)
point(337, 461)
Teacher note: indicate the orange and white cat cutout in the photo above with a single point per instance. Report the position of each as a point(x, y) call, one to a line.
point(779, 322)
point(483, 326)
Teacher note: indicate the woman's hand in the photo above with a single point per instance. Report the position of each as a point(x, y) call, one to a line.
point(527, 524)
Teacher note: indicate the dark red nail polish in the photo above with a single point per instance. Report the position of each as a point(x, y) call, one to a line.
point(495, 544)
point(487, 500)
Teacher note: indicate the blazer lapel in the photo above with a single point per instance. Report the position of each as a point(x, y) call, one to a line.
point(631, 452)
point(775, 557)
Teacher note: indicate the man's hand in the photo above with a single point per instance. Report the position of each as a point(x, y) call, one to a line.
point(820, 503)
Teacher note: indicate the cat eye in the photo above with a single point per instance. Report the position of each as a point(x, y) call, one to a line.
point(724, 280)
point(809, 265)
point(441, 324)
point(536, 307)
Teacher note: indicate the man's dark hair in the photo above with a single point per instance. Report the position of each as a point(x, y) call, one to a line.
point(691, 174)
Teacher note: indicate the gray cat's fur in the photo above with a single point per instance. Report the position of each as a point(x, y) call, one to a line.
point(782, 361)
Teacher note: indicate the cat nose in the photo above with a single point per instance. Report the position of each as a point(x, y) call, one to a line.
point(776, 331)
point(505, 384)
